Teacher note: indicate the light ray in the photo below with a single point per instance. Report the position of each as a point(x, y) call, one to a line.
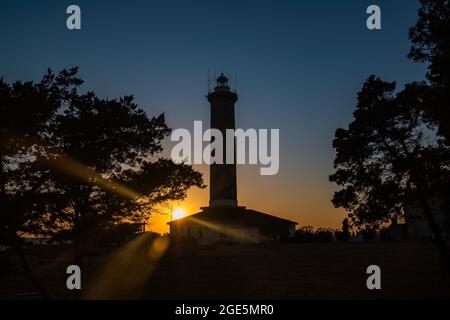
point(232, 233)
point(74, 168)
point(127, 271)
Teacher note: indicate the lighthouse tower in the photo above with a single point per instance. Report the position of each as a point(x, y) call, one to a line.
point(223, 191)
point(223, 221)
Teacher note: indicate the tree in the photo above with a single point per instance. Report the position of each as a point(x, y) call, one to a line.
point(390, 157)
point(431, 43)
point(26, 108)
point(101, 168)
point(79, 163)
point(346, 230)
point(430, 39)
point(308, 234)
point(304, 234)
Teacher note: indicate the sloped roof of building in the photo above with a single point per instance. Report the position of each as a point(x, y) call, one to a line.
point(233, 215)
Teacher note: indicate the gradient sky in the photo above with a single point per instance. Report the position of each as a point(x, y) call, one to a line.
point(297, 66)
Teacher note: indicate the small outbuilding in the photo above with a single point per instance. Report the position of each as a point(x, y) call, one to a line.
point(231, 225)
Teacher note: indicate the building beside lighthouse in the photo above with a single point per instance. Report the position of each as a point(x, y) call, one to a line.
point(224, 220)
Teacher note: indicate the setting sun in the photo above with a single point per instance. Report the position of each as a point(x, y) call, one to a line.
point(178, 213)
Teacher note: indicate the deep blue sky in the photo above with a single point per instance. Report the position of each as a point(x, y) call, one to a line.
point(298, 66)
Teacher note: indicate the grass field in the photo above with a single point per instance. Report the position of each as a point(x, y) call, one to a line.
point(144, 270)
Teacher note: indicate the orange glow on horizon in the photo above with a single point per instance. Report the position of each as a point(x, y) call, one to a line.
point(299, 197)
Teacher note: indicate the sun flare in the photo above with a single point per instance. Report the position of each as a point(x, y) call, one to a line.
point(178, 213)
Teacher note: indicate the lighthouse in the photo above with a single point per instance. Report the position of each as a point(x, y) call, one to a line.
point(223, 221)
point(223, 190)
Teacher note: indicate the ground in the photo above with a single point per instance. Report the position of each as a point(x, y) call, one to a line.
point(158, 270)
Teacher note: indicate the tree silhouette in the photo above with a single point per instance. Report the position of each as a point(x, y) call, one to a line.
point(431, 43)
point(26, 108)
point(90, 163)
point(390, 158)
point(102, 167)
point(346, 230)
point(396, 151)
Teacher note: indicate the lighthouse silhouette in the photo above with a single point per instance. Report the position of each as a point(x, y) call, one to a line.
point(223, 221)
point(223, 190)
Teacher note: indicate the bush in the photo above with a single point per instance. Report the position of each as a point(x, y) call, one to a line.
point(308, 234)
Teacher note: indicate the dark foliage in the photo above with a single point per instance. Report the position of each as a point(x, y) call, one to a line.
point(431, 43)
point(395, 153)
point(78, 164)
point(307, 234)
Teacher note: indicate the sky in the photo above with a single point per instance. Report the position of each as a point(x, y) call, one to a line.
point(296, 65)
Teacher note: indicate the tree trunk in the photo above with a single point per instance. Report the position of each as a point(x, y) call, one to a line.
point(79, 239)
point(438, 238)
point(17, 243)
point(26, 267)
